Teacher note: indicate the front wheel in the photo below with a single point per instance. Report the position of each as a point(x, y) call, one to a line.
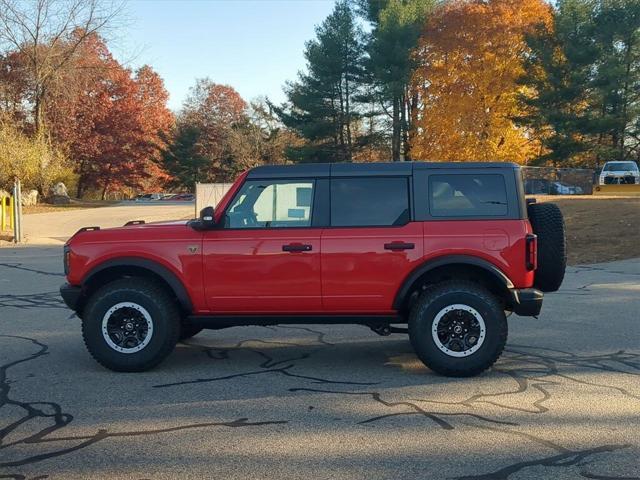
point(130, 325)
point(458, 329)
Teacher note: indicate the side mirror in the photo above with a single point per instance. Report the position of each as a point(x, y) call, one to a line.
point(207, 217)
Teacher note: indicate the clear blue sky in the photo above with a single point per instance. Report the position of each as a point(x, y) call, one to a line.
point(252, 45)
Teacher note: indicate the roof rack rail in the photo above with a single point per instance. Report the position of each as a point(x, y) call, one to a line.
point(88, 229)
point(134, 222)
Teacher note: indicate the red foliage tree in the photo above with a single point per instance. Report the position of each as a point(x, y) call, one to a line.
point(110, 121)
point(215, 111)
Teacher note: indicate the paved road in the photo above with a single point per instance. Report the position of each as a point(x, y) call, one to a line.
point(322, 402)
point(55, 228)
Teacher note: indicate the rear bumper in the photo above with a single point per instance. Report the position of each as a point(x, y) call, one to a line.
point(526, 302)
point(71, 295)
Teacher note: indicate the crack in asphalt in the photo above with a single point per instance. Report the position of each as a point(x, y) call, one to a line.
point(34, 411)
point(19, 266)
point(217, 353)
point(565, 459)
point(33, 300)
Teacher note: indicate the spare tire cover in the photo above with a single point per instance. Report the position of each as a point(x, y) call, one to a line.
point(548, 224)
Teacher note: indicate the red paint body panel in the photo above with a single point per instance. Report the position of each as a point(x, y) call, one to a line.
point(500, 242)
point(358, 274)
point(164, 243)
point(246, 271)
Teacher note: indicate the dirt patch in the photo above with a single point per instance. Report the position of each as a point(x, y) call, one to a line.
point(600, 229)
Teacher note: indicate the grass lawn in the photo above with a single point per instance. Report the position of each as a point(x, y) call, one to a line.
point(600, 229)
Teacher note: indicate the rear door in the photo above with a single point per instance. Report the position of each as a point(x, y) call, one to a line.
point(266, 257)
point(371, 245)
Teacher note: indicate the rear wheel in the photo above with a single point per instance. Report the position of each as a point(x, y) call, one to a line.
point(458, 329)
point(130, 325)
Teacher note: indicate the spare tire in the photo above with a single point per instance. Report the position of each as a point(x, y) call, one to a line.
point(548, 224)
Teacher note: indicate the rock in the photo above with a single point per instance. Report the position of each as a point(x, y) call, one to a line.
point(59, 190)
point(30, 198)
point(59, 200)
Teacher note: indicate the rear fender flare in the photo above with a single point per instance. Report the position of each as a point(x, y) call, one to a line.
point(406, 288)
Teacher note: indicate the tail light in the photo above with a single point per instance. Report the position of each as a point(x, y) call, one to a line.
point(66, 254)
point(531, 253)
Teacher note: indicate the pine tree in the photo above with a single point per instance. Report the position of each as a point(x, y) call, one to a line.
point(324, 104)
point(182, 157)
point(557, 74)
point(397, 25)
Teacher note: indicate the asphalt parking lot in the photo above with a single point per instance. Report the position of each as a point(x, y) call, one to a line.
point(563, 402)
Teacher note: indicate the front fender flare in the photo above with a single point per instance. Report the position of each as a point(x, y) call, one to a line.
point(163, 272)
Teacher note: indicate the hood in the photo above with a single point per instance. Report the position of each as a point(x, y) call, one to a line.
point(135, 231)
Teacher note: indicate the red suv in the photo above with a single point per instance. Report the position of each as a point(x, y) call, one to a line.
point(447, 248)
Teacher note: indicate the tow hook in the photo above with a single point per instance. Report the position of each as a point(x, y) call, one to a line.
point(385, 329)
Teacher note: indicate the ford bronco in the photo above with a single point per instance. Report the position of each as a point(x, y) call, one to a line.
point(446, 249)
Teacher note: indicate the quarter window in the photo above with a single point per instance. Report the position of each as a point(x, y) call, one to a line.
point(369, 202)
point(465, 195)
point(271, 204)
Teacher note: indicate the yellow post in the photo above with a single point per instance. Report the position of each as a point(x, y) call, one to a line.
point(12, 220)
point(3, 222)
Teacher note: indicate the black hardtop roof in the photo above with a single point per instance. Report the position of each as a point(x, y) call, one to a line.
point(364, 169)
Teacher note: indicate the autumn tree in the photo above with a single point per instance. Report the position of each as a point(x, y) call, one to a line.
point(47, 34)
point(110, 121)
point(470, 57)
point(323, 104)
point(33, 160)
point(210, 118)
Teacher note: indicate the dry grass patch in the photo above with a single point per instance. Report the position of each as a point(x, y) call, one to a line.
point(600, 229)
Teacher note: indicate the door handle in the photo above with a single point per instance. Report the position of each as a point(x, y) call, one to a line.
point(399, 246)
point(296, 247)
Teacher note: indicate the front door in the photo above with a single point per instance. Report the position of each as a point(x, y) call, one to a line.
point(371, 245)
point(266, 256)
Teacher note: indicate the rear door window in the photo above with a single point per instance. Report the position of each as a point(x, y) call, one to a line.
point(467, 195)
point(375, 201)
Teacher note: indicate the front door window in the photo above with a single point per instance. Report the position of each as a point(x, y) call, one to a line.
point(271, 204)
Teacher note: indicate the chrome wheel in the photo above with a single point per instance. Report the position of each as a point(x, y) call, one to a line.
point(127, 327)
point(458, 330)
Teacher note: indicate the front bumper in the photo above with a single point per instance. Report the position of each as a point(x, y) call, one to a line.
point(71, 295)
point(526, 302)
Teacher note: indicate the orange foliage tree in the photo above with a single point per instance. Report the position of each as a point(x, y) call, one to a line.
point(470, 57)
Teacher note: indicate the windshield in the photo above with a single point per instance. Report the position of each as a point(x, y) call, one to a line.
point(619, 166)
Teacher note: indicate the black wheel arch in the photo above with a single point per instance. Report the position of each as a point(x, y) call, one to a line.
point(448, 267)
point(136, 267)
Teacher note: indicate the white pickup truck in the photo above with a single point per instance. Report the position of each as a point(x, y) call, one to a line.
point(614, 173)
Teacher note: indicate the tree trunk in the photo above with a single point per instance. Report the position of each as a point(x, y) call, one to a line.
point(395, 134)
point(404, 127)
point(348, 121)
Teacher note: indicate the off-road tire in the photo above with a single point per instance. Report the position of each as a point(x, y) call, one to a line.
point(548, 224)
point(188, 331)
point(162, 309)
point(424, 312)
